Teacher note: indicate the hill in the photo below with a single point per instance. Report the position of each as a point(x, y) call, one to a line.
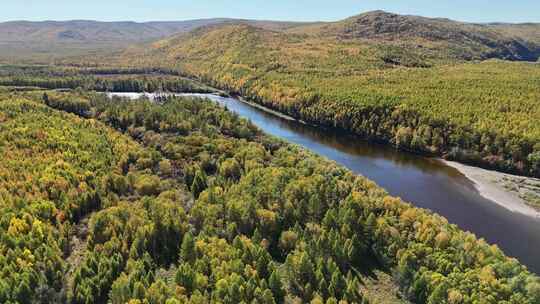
point(416, 89)
point(42, 41)
point(464, 40)
point(95, 31)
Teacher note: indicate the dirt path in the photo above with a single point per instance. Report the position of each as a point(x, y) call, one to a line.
point(77, 250)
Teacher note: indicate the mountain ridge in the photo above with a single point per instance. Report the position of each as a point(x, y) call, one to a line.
point(45, 41)
point(445, 37)
point(162, 28)
point(466, 41)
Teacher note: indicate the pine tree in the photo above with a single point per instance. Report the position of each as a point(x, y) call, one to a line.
point(199, 183)
point(275, 285)
point(267, 297)
point(187, 251)
point(185, 277)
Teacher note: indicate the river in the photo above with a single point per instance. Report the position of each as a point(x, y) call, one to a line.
point(425, 182)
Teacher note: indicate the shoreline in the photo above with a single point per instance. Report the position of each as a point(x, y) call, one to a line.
point(268, 110)
point(490, 185)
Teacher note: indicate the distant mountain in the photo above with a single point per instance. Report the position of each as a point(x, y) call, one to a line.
point(465, 40)
point(25, 39)
point(433, 36)
point(95, 31)
point(90, 31)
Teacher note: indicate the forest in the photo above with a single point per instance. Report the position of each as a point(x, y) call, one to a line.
point(98, 79)
point(434, 97)
point(115, 201)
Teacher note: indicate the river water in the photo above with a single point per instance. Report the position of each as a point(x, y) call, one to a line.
point(425, 182)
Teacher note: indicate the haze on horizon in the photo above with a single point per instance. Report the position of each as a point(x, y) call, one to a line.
point(518, 11)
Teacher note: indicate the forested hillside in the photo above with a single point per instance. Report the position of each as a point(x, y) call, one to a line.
point(408, 81)
point(184, 202)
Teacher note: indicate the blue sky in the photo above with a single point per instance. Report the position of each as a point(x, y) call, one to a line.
point(301, 10)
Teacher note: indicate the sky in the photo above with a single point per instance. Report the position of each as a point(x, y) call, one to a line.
point(293, 10)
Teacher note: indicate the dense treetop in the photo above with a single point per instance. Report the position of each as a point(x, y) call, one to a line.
point(184, 202)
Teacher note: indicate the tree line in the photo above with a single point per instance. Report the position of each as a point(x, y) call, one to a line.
point(98, 79)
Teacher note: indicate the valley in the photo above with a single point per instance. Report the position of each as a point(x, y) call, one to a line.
point(382, 158)
point(457, 104)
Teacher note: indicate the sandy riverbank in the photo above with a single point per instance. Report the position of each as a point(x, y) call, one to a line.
point(504, 189)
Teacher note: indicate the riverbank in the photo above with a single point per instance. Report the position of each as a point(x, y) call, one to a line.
point(515, 193)
point(268, 110)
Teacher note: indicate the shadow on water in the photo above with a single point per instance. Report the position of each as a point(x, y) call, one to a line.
point(425, 182)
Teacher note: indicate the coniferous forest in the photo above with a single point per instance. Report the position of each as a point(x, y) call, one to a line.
point(116, 201)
